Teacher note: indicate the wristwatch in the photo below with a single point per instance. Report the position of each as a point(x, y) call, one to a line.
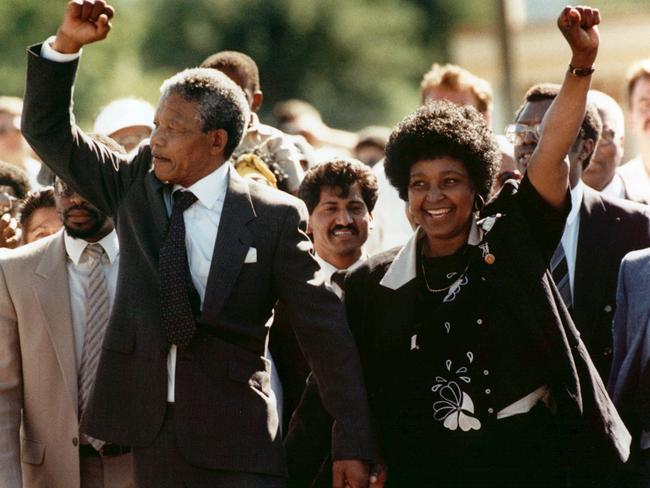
point(581, 71)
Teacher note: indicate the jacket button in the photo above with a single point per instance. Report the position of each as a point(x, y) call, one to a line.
point(75, 441)
point(607, 351)
point(608, 308)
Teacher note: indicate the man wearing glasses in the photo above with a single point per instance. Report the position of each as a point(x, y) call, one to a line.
point(599, 231)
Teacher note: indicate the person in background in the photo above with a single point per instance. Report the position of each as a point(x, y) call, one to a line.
point(13, 147)
point(128, 121)
point(636, 172)
point(55, 299)
point(38, 215)
point(297, 117)
point(340, 195)
point(276, 149)
point(599, 230)
point(370, 146)
point(457, 85)
point(602, 172)
point(14, 186)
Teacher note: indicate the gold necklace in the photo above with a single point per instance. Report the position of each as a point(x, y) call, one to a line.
point(438, 290)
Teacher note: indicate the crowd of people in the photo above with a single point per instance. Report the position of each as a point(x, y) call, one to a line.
point(192, 298)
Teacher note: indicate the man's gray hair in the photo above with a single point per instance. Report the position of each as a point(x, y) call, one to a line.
point(221, 103)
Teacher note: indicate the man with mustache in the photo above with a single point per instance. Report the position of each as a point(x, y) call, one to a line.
point(55, 299)
point(340, 195)
point(599, 230)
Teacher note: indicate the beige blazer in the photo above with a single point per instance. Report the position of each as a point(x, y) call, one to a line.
point(38, 373)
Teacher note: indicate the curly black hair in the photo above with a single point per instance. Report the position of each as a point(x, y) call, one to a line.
point(342, 173)
point(241, 64)
point(15, 178)
point(441, 129)
point(42, 198)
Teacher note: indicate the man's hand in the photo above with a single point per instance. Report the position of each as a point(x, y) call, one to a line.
point(578, 25)
point(350, 473)
point(85, 21)
point(10, 234)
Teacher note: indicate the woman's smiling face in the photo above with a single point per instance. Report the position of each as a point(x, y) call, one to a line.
point(441, 198)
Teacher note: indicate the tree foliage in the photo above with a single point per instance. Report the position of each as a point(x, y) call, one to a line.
point(358, 61)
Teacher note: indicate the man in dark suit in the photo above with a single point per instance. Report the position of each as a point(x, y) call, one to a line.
point(599, 231)
point(183, 378)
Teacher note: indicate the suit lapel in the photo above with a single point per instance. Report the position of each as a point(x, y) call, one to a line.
point(592, 239)
point(154, 189)
point(233, 241)
point(52, 291)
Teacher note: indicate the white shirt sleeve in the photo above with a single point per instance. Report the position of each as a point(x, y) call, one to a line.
point(48, 52)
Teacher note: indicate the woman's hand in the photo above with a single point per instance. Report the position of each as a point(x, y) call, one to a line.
point(578, 26)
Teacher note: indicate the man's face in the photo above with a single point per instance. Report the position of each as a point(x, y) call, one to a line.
point(181, 152)
point(608, 154)
point(12, 144)
point(339, 225)
point(81, 219)
point(459, 97)
point(640, 108)
point(527, 131)
point(130, 137)
point(41, 223)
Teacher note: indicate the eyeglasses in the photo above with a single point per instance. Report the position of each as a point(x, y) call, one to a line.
point(60, 188)
point(516, 133)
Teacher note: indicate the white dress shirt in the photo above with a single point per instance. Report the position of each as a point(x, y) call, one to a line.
point(637, 179)
point(571, 231)
point(615, 188)
point(328, 270)
point(201, 226)
point(78, 275)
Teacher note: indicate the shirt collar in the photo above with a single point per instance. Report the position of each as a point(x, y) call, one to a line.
point(402, 269)
point(209, 189)
point(329, 269)
point(75, 247)
point(576, 201)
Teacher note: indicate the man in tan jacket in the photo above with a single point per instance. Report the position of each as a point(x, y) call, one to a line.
point(55, 297)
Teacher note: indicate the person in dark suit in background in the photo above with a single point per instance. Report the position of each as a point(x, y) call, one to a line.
point(206, 255)
point(599, 231)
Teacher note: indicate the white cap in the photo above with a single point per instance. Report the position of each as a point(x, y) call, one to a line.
point(124, 112)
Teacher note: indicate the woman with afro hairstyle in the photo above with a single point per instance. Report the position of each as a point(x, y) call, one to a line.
point(474, 371)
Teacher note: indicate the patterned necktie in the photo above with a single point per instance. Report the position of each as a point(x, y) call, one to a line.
point(97, 313)
point(560, 272)
point(176, 313)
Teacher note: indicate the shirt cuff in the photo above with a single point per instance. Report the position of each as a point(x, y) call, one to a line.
point(48, 52)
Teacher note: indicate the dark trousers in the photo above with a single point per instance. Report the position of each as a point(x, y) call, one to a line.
point(161, 465)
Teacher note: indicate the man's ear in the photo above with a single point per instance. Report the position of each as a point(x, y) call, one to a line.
point(219, 139)
point(587, 149)
point(258, 97)
point(310, 231)
point(371, 222)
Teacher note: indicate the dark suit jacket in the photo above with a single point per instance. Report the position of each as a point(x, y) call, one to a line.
point(381, 320)
point(224, 418)
point(609, 229)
